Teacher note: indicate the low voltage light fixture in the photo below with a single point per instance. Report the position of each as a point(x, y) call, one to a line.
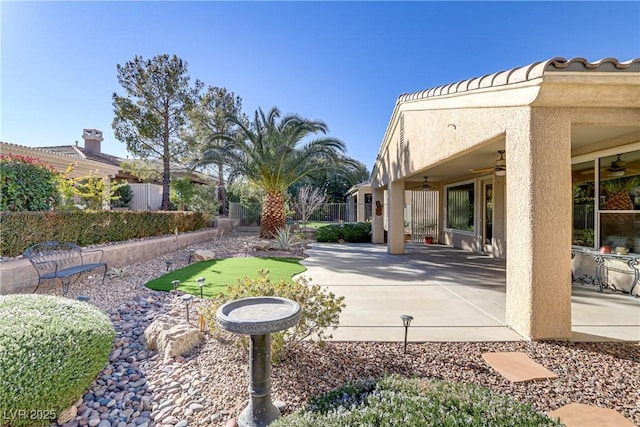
point(175, 284)
point(406, 322)
point(200, 281)
point(186, 299)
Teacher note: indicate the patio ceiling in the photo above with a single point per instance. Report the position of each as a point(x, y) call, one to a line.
point(584, 139)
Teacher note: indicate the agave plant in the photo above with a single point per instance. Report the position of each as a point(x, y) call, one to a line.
point(284, 238)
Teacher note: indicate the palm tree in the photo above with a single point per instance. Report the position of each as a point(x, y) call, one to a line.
point(271, 153)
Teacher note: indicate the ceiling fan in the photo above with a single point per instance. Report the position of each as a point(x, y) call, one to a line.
point(500, 167)
point(617, 168)
point(425, 185)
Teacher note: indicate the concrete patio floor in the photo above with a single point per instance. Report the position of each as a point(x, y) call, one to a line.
point(453, 295)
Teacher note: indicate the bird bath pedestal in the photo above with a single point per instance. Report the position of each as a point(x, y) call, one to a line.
point(259, 317)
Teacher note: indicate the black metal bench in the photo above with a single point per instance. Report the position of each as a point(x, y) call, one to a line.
point(63, 261)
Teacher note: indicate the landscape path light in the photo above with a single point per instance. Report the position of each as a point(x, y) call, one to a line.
point(406, 321)
point(175, 284)
point(186, 299)
point(200, 281)
point(168, 264)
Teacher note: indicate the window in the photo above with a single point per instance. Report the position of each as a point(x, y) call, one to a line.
point(620, 201)
point(460, 203)
point(584, 204)
point(612, 196)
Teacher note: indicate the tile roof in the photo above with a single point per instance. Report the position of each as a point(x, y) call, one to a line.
point(520, 74)
point(80, 152)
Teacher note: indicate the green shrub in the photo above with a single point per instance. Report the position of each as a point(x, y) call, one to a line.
point(359, 232)
point(204, 199)
point(328, 233)
point(23, 229)
point(123, 196)
point(414, 402)
point(51, 350)
point(26, 184)
point(320, 310)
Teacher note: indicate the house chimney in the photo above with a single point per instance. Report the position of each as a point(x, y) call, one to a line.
point(92, 139)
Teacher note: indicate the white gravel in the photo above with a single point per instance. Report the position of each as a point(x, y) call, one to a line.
point(601, 374)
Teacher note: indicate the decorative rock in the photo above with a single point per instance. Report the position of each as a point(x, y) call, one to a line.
point(196, 407)
point(171, 339)
point(104, 423)
point(67, 415)
point(280, 405)
point(183, 423)
point(93, 422)
point(203, 255)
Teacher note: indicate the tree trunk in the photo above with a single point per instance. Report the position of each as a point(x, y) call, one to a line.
point(273, 215)
point(165, 187)
point(222, 192)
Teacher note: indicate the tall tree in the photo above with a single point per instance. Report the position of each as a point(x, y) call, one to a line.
point(150, 118)
point(274, 154)
point(335, 181)
point(204, 141)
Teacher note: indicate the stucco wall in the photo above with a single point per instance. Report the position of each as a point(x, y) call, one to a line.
point(19, 276)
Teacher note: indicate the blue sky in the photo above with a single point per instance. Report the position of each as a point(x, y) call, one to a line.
point(341, 62)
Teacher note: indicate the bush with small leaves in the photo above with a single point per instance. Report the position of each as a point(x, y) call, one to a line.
point(320, 310)
point(27, 184)
point(328, 233)
point(51, 350)
point(359, 232)
point(414, 402)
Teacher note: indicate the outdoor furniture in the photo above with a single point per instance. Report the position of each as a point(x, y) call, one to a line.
point(617, 272)
point(63, 261)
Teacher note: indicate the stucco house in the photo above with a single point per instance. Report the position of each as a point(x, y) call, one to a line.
point(89, 158)
point(528, 163)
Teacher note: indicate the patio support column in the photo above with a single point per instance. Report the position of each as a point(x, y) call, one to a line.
point(377, 226)
point(361, 205)
point(395, 238)
point(538, 152)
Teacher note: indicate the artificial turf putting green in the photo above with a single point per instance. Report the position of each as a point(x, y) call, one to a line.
point(220, 273)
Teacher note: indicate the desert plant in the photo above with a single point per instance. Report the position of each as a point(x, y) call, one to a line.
point(320, 310)
point(284, 238)
point(414, 402)
point(118, 273)
point(51, 350)
point(26, 184)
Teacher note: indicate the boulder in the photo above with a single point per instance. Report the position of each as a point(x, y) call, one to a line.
point(67, 415)
point(171, 338)
point(203, 255)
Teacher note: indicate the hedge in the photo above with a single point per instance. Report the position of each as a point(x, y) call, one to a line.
point(23, 229)
point(359, 232)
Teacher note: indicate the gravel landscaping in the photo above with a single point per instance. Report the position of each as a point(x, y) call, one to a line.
point(209, 386)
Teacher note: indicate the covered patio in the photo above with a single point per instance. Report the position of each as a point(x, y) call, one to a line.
point(527, 163)
point(453, 295)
